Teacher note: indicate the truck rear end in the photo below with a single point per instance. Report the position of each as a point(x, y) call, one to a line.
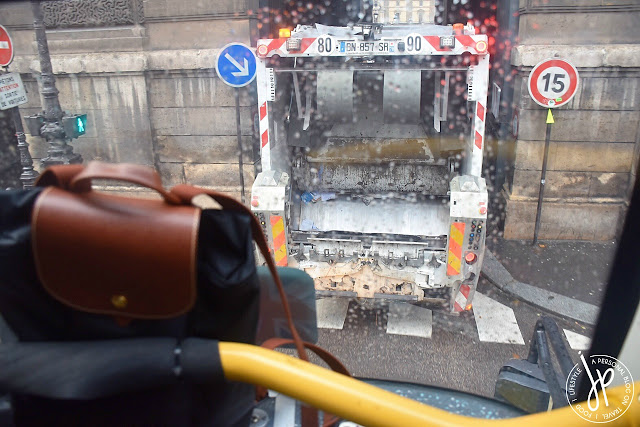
point(371, 155)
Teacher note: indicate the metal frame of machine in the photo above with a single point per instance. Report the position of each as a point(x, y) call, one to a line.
point(464, 246)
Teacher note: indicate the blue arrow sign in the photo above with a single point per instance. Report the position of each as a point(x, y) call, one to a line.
point(236, 65)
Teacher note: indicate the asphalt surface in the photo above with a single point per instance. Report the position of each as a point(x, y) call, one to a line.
point(453, 357)
point(575, 269)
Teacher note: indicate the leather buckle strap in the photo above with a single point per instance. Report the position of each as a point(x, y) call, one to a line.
point(77, 178)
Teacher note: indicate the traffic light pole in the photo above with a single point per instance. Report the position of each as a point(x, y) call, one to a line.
point(58, 151)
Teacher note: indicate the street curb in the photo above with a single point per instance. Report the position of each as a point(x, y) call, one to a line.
point(561, 305)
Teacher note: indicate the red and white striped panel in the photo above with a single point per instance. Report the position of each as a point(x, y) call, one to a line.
point(278, 47)
point(264, 126)
point(263, 113)
point(460, 302)
point(317, 46)
point(477, 138)
point(463, 44)
point(481, 114)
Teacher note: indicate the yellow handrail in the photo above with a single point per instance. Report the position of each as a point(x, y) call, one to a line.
point(369, 405)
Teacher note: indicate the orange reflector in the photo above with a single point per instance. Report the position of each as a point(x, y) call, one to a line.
point(457, 28)
point(470, 258)
point(468, 307)
point(262, 50)
point(481, 46)
point(284, 33)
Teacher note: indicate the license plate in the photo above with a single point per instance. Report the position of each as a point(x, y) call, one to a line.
point(360, 48)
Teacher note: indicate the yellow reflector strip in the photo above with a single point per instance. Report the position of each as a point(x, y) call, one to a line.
point(277, 227)
point(456, 235)
point(457, 232)
point(453, 267)
point(280, 255)
point(279, 240)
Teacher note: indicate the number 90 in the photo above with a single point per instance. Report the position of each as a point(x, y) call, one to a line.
point(414, 43)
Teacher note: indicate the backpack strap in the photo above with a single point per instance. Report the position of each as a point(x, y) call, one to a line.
point(187, 192)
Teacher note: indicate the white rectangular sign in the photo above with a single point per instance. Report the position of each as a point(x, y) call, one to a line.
point(12, 91)
point(271, 85)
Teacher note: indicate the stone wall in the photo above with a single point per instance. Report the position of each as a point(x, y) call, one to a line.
point(147, 85)
point(146, 80)
point(594, 141)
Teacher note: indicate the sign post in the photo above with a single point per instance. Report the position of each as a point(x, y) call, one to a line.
point(13, 94)
point(552, 83)
point(236, 67)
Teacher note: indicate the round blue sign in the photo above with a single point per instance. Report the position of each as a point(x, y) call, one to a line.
point(236, 65)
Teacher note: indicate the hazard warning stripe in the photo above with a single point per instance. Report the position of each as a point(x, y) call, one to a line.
point(466, 41)
point(264, 125)
point(464, 290)
point(453, 267)
point(480, 118)
point(480, 111)
point(463, 41)
point(434, 41)
point(279, 240)
point(462, 297)
point(263, 111)
point(478, 140)
point(454, 256)
point(278, 235)
point(456, 236)
point(275, 44)
point(305, 43)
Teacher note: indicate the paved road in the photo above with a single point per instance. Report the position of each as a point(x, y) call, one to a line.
point(384, 340)
point(575, 269)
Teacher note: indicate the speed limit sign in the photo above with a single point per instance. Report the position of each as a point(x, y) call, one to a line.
point(553, 82)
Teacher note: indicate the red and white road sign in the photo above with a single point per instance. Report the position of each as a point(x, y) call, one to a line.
point(6, 47)
point(553, 82)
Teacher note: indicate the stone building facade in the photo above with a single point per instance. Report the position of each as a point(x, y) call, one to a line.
point(143, 71)
point(595, 140)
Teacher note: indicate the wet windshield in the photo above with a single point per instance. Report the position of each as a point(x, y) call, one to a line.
point(446, 173)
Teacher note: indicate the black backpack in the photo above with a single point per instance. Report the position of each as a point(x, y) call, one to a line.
point(69, 365)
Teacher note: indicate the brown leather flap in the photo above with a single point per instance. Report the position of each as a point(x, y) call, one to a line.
point(115, 255)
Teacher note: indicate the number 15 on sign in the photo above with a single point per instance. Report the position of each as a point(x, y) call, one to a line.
point(553, 82)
